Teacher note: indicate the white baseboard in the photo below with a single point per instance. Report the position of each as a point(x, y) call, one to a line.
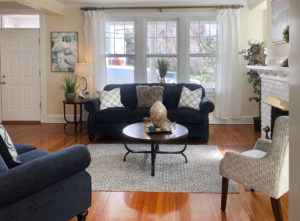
point(55, 119)
point(212, 120)
point(242, 120)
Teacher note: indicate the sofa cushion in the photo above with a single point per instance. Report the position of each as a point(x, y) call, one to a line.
point(8, 150)
point(113, 115)
point(32, 155)
point(3, 167)
point(137, 115)
point(147, 96)
point(190, 99)
point(185, 115)
point(110, 99)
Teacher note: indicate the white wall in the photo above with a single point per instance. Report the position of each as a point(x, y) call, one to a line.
point(294, 195)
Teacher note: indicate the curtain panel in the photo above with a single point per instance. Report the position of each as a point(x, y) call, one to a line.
point(229, 76)
point(94, 34)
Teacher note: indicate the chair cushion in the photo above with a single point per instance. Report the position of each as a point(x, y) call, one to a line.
point(23, 148)
point(185, 115)
point(254, 153)
point(3, 167)
point(137, 115)
point(32, 155)
point(113, 115)
point(8, 150)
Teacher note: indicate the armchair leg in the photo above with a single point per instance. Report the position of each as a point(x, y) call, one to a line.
point(224, 193)
point(276, 209)
point(252, 190)
point(82, 216)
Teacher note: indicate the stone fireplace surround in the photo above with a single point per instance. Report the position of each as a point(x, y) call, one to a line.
point(274, 82)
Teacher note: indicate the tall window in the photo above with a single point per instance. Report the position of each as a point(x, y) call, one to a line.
point(203, 38)
point(120, 51)
point(161, 44)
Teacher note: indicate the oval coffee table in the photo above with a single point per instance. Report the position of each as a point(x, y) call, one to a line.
point(136, 132)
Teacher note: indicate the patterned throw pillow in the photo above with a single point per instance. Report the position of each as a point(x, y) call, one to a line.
point(147, 96)
point(110, 99)
point(8, 150)
point(190, 99)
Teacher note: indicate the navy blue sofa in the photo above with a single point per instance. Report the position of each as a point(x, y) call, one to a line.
point(46, 186)
point(110, 122)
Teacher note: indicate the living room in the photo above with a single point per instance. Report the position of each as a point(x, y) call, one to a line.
point(149, 110)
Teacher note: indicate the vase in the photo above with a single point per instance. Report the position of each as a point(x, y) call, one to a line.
point(158, 115)
point(70, 96)
point(162, 80)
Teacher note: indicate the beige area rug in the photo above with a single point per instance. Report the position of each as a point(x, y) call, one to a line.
point(201, 174)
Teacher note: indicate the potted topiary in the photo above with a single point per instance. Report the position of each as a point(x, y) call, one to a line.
point(163, 66)
point(255, 54)
point(69, 87)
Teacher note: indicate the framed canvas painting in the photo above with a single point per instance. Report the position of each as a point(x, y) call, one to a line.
point(64, 51)
point(280, 19)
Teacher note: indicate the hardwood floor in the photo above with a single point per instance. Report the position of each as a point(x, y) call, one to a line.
point(161, 206)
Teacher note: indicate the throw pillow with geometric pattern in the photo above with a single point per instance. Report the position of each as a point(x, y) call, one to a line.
point(110, 99)
point(8, 150)
point(190, 99)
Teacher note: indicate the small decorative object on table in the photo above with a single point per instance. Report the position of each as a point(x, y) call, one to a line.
point(83, 70)
point(158, 116)
point(69, 87)
point(163, 66)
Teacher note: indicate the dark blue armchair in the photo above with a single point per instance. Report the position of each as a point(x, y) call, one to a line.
point(46, 186)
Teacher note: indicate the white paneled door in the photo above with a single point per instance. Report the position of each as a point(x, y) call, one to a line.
point(20, 79)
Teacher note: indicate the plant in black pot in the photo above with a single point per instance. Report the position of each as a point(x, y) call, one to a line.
point(69, 87)
point(255, 54)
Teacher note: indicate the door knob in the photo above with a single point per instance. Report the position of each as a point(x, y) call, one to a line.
point(3, 76)
point(2, 82)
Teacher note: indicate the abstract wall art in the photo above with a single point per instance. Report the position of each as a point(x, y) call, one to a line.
point(64, 51)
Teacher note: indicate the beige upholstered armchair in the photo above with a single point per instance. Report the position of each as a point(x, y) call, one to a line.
point(265, 168)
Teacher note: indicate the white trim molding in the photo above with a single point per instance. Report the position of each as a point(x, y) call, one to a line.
point(241, 120)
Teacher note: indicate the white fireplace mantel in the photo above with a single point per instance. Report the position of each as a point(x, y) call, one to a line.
point(281, 73)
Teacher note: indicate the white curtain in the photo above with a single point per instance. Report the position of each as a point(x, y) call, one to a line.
point(229, 76)
point(94, 33)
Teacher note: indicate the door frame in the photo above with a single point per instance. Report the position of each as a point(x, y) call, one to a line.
point(42, 68)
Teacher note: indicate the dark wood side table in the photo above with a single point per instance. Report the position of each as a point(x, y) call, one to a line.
point(77, 101)
point(136, 132)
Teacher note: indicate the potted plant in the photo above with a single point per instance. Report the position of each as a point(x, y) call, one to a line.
point(286, 34)
point(69, 87)
point(163, 66)
point(255, 54)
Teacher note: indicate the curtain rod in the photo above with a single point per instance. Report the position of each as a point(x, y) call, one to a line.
point(162, 7)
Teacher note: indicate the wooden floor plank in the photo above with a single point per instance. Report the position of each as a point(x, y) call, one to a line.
point(148, 206)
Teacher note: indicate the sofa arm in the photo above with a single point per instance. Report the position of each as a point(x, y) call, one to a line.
point(92, 105)
point(23, 148)
point(38, 174)
point(206, 105)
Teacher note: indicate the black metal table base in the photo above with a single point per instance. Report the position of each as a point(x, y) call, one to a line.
point(155, 150)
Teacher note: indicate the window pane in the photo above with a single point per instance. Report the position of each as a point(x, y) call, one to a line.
point(203, 37)
point(119, 37)
point(202, 71)
point(152, 72)
point(21, 21)
point(161, 37)
point(120, 70)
